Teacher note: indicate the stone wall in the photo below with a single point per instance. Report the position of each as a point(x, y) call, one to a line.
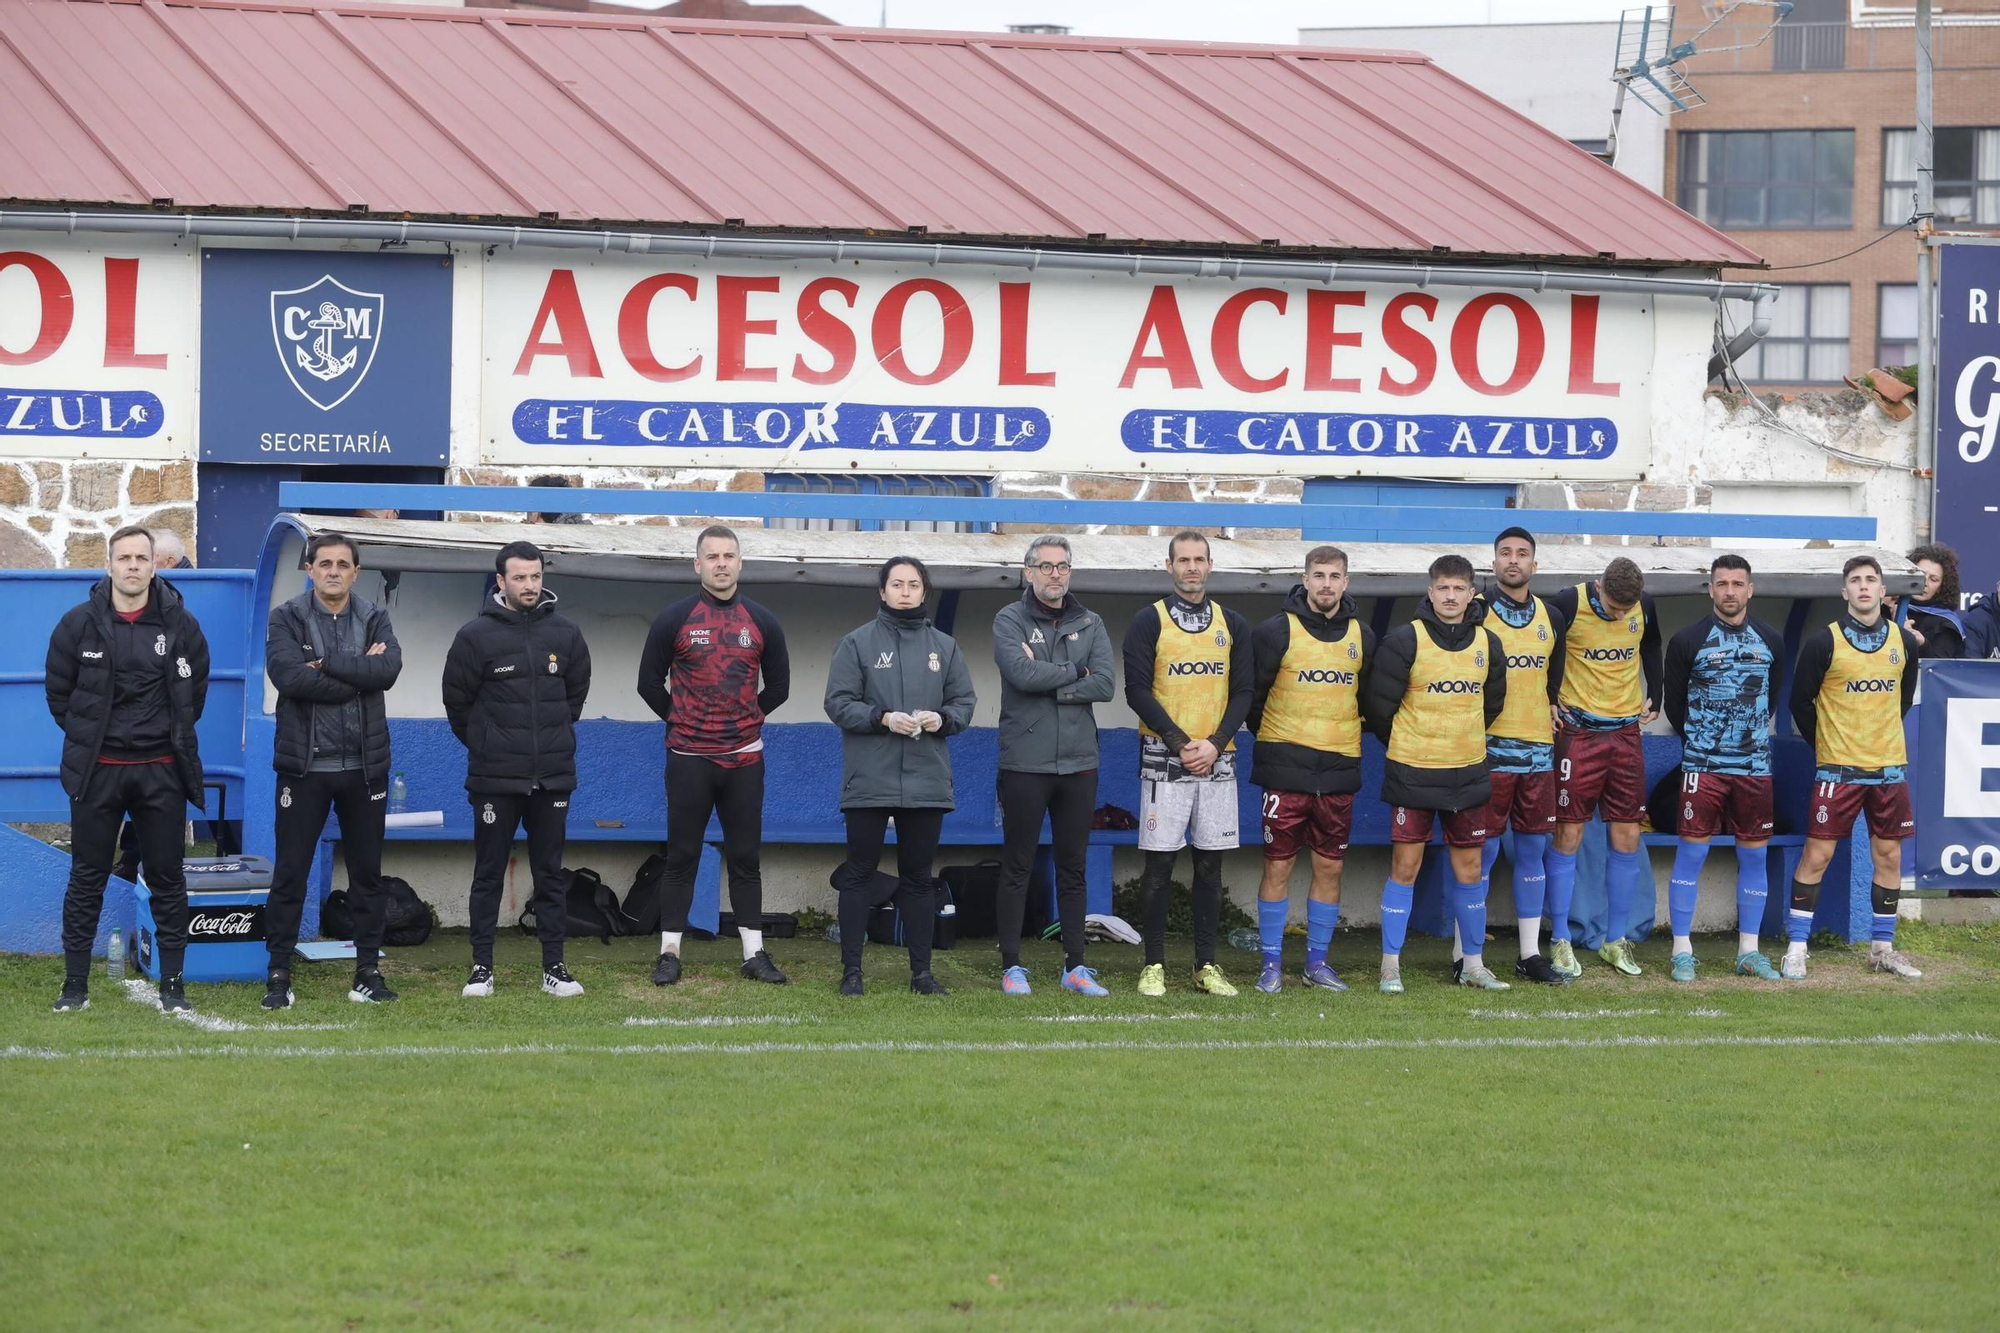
point(58, 513)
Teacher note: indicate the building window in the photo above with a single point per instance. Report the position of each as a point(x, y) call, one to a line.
point(1807, 343)
point(1965, 176)
point(1812, 36)
point(1741, 179)
point(1896, 324)
point(841, 483)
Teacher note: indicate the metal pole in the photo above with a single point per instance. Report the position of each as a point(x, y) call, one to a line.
point(1926, 289)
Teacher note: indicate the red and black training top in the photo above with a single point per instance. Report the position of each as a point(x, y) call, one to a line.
point(700, 672)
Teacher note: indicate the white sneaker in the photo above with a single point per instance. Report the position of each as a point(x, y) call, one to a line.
point(479, 984)
point(556, 980)
point(1888, 960)
point(1793, 968)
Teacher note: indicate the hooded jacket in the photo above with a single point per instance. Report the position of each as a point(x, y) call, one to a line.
point(1432, 788)
point(514, 686)
point(1282, 765)
point(81, 672)
point(1046, 721)
point(897, 663)
point(1982, 627)
point(294, 638)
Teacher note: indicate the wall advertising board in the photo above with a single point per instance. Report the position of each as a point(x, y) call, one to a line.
point(96, 347)
point(1968, 416)
point(823, 368)
point(1958, 788)
point(325, 356)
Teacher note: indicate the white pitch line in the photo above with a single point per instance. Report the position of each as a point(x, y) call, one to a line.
point(1145, 1018)
point(996, 1047)
point(1593, 1013)
point(144, 992)
point(716, 1021)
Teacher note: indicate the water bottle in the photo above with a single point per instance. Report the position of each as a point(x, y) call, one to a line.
point(1246, 939)
point(114, 957)
point(399, 795)
point(833, 933)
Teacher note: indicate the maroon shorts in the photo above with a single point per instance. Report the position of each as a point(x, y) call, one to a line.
point(1835, 804)
point(1735, 803)
point(1296, 819)
point(1606, 768)
point(1462, 828)
point(1526, 800)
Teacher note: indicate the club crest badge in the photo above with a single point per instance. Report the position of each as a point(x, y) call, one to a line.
point(1352, 652)
point(486, 813)
point(1479, 657)
point(1895, 657)
point(285, 798)
point(935, 666)
point(1542, 633)
point(1221, 639)
point(326, 334)
point(552, 664)
point(1632, 625)
point(160, 646)
point(181, 665)
point(743, 637)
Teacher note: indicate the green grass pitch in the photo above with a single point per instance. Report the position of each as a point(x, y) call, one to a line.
point(1613, 1154)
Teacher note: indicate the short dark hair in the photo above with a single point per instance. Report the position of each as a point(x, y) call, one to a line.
point(1730, 560)
point(516, 551)
point(129, 530)
point(1520, 532)
point(1188, 535)
point(1327, 555)
point(1946, 560)
point(1451, 567)
point(1855, 562)
point(721, 533)
point(889, 565)
point(322, 540)
point(1622, 582)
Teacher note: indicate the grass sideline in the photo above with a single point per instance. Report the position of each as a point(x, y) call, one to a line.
point(1604, 1155)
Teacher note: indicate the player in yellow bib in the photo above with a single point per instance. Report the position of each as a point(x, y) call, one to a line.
point(1436, 686)
point(1854, 681)
point(1312, 662)
point(1187, 677)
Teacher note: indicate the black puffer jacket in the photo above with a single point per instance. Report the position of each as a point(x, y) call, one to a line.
point(1389, 679)
point(514, 686)
point(292, 640)
point(80, 686)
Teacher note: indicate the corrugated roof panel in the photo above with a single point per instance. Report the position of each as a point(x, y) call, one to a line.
point(244, 105)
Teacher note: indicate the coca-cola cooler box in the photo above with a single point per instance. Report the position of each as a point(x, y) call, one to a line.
point(226, 897)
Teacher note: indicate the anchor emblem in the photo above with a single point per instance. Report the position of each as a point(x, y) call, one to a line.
point(326, 334)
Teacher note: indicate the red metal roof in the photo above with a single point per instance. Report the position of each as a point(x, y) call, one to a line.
point(390, 110)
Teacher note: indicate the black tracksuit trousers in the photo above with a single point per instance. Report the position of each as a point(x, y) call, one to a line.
point(1069, 800)
point(494, 819)
point(151, 795)
point(917, 834)
point(697, 787)
point(303, 803)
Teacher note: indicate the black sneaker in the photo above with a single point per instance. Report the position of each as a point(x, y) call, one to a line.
point(850, 981)
point(76, 995)
point(277, 989)
point(759, 967)
point(556, 980)
point(1537, 968)
point(173, 996)
point(923, 983)
point(668, 970)
point(369, 988)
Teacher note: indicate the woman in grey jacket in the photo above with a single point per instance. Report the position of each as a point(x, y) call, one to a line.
point(897, 688)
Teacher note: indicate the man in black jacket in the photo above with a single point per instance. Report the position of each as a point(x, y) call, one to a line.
point(514, 685)
point(127, 677)
point(332, 657)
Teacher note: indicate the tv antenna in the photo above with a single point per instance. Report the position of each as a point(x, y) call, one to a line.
point(1652, 65)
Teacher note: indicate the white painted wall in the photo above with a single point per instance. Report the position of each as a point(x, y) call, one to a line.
point(1556, 74)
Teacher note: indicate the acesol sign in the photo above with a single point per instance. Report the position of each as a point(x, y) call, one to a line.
point(878, 367)
point(95, 347)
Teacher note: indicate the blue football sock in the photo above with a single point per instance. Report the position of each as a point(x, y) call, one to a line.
point(1271, 927)
point(1621, 890)
point(1561, 868)
point(1321, 918)
point(1685, 885)
point(1396, 900)
point(1531, 876)
point(1468, 907)
point(1798, 926)
point(1882, 925)
point(1753, 888)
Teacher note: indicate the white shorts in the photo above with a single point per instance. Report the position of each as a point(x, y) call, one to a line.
point(1171, 814)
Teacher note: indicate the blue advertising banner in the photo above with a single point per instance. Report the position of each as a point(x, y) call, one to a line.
point(1968, 417)
point(1958, 783)
point(324, 356)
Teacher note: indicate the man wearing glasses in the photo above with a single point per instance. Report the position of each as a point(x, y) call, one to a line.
point(1055, 663)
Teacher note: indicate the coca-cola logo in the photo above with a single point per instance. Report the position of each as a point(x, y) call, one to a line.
point(226, 925)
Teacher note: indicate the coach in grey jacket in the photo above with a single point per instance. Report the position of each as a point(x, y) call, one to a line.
point(897, 688)
point(1055, 663)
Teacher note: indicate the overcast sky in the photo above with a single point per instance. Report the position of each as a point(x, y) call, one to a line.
point(1257, 21)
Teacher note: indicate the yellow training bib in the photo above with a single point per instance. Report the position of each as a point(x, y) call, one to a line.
point(1525, 715)
point(1314, 700)
point(1442, 720)
point(1191, 674)
point(1861, 705)
point(1601, 673)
